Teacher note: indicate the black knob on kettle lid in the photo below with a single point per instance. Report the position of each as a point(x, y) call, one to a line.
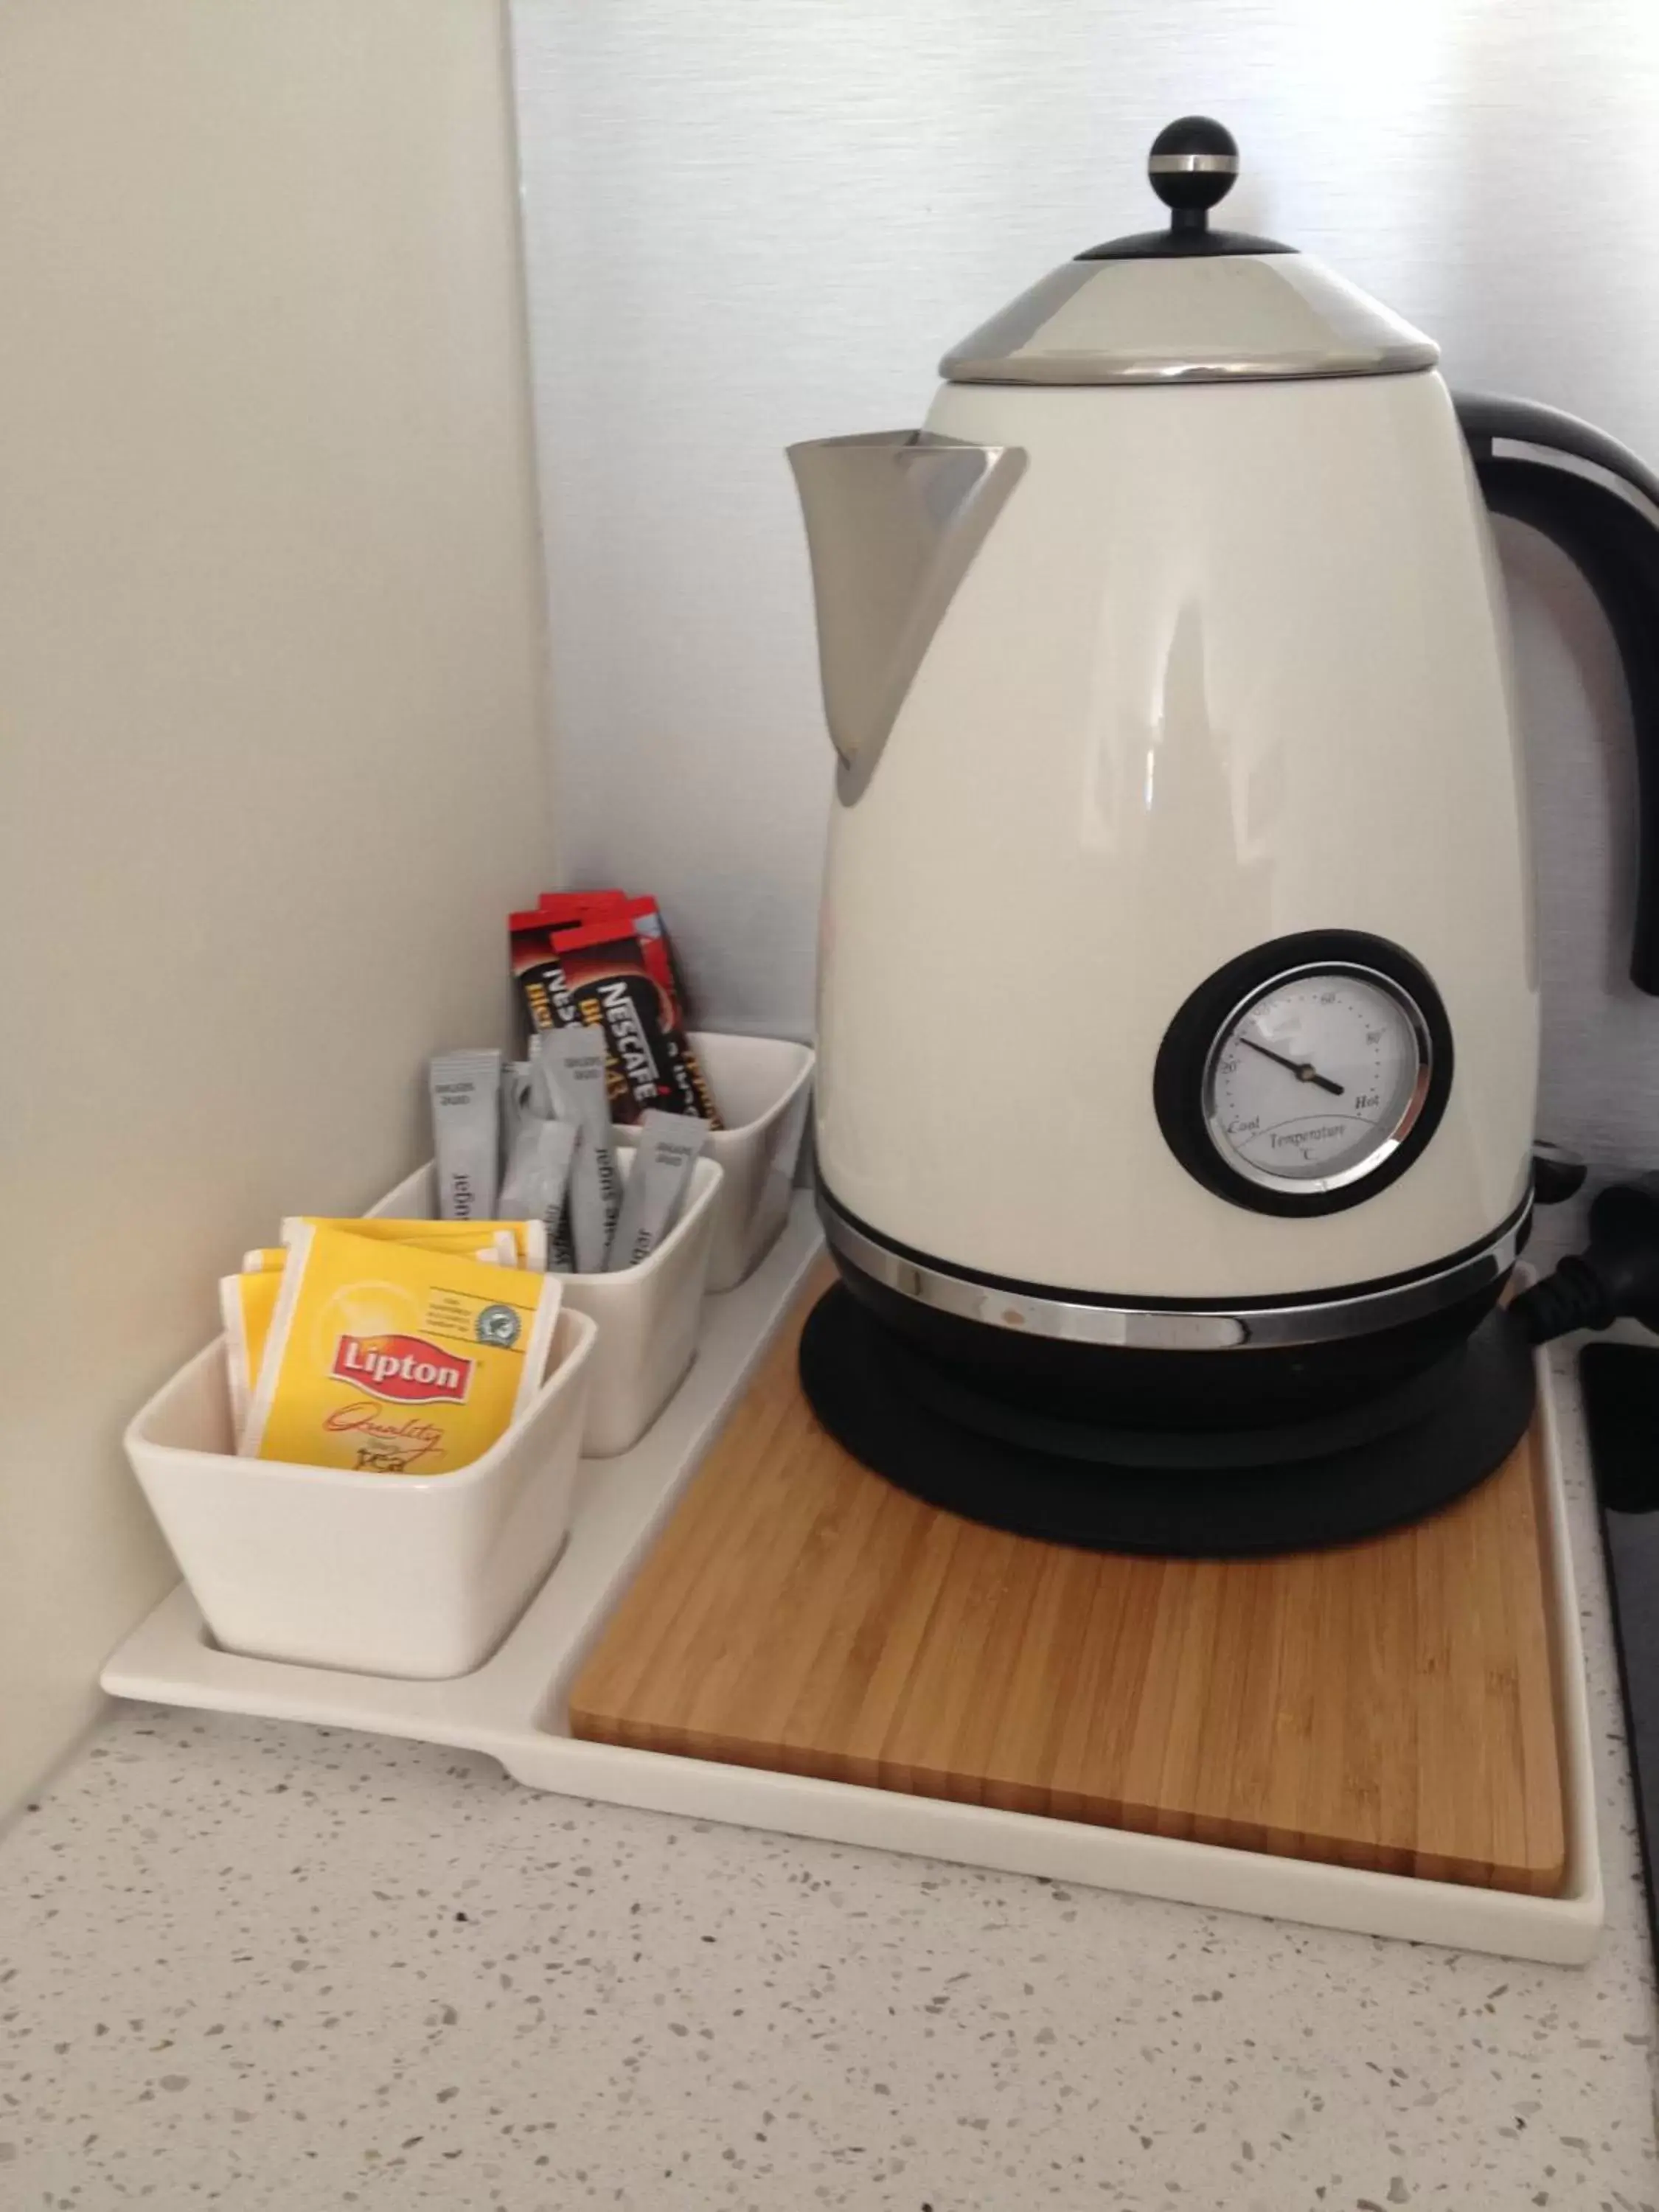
point(1193, 164)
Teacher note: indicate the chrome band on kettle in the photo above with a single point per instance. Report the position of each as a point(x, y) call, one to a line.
point(1034, 1311)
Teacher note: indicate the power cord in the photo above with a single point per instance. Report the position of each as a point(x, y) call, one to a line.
point(1616, 1274)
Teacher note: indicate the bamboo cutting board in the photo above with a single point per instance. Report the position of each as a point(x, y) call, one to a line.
point(1385, 1705)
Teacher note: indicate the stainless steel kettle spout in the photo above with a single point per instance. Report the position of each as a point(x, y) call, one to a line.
point(893, 522)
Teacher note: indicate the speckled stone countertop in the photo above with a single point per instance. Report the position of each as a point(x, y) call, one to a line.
point(266, 1965)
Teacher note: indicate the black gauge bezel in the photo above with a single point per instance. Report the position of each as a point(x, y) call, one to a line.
point(1185, 1059)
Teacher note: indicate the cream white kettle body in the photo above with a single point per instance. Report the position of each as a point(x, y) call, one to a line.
point(1229, 667)
point(1178, 999)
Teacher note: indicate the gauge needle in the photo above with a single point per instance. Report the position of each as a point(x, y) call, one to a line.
point(1303, 1070)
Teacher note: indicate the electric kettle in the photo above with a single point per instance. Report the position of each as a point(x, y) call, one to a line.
point(1177, 995)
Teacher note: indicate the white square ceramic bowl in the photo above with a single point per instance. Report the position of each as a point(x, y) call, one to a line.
point(647, 1314)
point(379, 1574)
point(762, 1086)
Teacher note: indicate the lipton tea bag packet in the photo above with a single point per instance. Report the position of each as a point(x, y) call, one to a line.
point(248, 1303)
point(395, 1360)
point(514, 1243)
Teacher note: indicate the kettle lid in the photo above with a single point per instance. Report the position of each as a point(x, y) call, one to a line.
point(1188, 304)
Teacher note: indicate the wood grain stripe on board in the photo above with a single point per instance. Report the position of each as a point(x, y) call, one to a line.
point(1389, 1705)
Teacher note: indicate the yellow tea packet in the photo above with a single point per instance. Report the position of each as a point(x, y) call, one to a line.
point(517, 1244)
point(393, 1359)
point(248, 1302)
point(502, 1251)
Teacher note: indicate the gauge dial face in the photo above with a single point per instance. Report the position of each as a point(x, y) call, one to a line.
point(1315, 1080)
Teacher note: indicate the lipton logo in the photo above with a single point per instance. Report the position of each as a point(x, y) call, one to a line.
point(405, 1370)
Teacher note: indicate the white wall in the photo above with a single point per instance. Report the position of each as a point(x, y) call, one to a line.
point(270, 694)
point(752, 224)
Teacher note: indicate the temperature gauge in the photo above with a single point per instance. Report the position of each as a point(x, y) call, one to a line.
point(1304, 1088)
point(1318, 1079)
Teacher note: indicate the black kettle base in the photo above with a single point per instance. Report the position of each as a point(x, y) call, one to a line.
point(1221, 1495)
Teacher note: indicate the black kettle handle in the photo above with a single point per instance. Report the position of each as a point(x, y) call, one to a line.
point(1599, 504)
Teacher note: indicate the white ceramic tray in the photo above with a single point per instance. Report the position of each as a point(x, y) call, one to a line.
point(514, 1707)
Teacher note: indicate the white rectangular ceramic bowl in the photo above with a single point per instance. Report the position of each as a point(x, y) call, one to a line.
point(404, 1575)
point(647, 1315)
point(761, 1086)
